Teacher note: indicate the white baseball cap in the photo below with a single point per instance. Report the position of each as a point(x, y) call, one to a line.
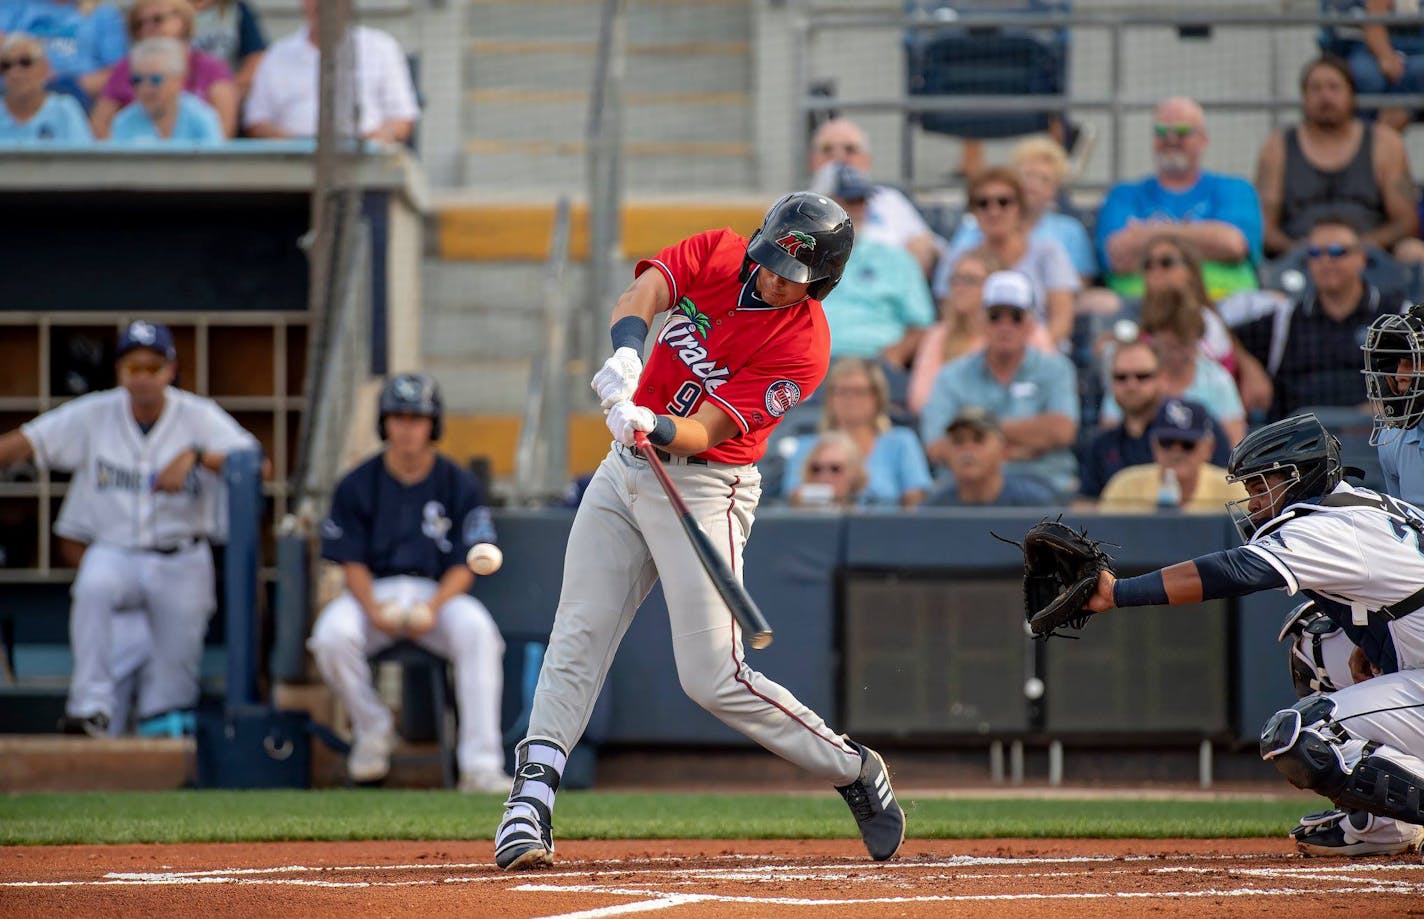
point(1008, 288)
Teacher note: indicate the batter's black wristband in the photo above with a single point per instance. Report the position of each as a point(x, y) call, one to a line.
point(629, 332)
point(663, 431)
point(1143, 590)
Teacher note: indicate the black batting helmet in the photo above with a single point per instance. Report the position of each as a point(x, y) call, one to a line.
point(805, 238)
point(411, 394)
point(1299, 448)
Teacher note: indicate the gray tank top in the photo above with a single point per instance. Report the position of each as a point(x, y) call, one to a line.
point(1310, 193)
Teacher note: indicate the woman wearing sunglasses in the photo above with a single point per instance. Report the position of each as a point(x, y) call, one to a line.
point(857, 405)
point(29, 113)
point(833, 474)
point(996, 197)
point(163, 111)
point(205, 76)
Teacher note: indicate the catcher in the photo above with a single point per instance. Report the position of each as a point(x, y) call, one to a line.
point(1308, 532)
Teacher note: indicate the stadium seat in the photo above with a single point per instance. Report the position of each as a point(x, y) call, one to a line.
point(412, 656)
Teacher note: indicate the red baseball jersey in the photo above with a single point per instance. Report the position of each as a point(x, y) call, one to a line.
point(724, 343)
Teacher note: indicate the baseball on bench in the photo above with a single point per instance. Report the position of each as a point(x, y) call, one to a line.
point(484, 558)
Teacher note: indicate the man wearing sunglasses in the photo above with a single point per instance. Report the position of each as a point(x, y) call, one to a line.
point(1182, 445)
point(1311, 346)
point(29, 113)
point(1219, 215)
point(1335, 163)
point(890, 216)
point(1137, 387)
point(1033, 393)
point(161, 110)
point(135, 453)
point(975, 450)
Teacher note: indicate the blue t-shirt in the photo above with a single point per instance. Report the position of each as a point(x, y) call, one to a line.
point(1067, 231)
point(75, 43)
point(1017, 492)
point(896, 464)
point(881, 295)
point(422, 530)
point(1215, 197)
point(1211, 386)
point(1401, 456)
point(60, 120)
point(1045, 383)
point(197, 123)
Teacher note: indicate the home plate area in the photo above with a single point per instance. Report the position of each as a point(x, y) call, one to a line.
point(707, 878)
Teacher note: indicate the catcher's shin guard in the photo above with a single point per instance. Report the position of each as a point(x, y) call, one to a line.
point(1385, 788)
point(525, 838)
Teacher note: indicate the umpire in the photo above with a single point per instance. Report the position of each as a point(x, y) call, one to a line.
point(400, 526)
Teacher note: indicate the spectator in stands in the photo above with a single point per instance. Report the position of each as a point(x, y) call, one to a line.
point(1175, 326)
point(30, 113)
point(959, 331)
point(231, 31)
point(1042, 166)
point(857, 404)
point(882, 304)
point(1389, 59)
point(891, 217)
point(1172, 270)
point(1311, 345)
point(997, 199)
point(82, 40)
point(400, 527)
point(1137, 388)
point(163, 111)
point(283, 101)
point(135, 453)
point(1181, 475)
point(1334, 163)
point(975, 450)
point(833, 473)
point(1218, 214)
point(205, 77)
point(1034, 394)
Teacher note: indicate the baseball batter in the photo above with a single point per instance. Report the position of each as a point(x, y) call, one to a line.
point(134, 452)
point(1359, 555)
point(746, 341)
point(400, 526)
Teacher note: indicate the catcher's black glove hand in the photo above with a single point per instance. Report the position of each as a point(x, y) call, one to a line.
point(1061, 568)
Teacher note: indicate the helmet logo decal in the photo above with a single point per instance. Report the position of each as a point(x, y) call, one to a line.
point(794, 241)
point(781, 397)
point(407, 389)
point(699, 320)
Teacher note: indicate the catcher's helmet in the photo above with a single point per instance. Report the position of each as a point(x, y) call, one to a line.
point(411, 394)
point(805, 238)
point(1394, 371)
point(1298, 447)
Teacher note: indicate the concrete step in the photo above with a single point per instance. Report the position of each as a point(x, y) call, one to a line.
point(684, 118)
point(476, 334)
point(692, 66)
point(545, 167)
point(492, 384)
point(646, 21)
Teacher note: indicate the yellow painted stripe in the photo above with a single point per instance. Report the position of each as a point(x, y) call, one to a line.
point(521, 232)
point(506, 96)
point(497, 437)
point(578, 46)
point(715, 148)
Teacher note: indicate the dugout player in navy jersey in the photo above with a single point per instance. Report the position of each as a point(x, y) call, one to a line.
point(400, 526)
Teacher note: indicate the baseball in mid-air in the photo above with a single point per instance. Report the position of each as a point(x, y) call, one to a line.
point(484, 558)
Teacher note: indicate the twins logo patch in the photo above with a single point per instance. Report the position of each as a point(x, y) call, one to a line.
point(781, 396)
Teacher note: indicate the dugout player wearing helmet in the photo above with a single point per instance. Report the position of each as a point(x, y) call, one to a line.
point(137, 499)
point(746, 340)
point(400, 526)
point(1358, 554)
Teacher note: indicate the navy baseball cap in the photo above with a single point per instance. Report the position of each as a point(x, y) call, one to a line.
point(155, 336)
point(1180, 419)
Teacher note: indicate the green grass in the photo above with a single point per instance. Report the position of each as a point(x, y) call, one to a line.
point(260, 816)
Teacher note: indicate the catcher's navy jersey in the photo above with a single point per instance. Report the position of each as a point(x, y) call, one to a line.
point(420, 530)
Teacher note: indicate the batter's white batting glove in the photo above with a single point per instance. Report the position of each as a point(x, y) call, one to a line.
point(618, 377)
point(624, 418)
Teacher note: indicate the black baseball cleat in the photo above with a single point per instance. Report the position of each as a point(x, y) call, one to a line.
point(525, 838)
point(95, 725)
point(872, 801)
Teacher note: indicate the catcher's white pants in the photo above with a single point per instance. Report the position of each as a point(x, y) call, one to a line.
point(624, 538)
point(174, 592)
point(464, 634)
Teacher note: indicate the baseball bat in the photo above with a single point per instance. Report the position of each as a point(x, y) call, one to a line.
point(740, 602)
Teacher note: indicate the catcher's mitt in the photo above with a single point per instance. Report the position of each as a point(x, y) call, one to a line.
point(1061, 568)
